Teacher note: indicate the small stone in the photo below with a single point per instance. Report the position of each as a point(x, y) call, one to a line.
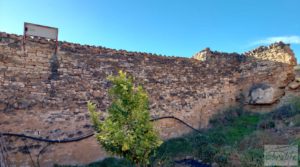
point(294, 85)
point(2, 106)
point(214, 164)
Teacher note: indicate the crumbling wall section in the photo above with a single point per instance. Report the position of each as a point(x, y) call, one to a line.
point(45, 94)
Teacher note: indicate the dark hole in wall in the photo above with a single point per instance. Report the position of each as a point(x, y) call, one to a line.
point(52, 91)
point(54, 64)
point(241, 58)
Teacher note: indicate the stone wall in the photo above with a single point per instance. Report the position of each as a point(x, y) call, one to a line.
point(45, 94)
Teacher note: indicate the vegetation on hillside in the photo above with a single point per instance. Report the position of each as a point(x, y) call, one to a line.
point(236, 139)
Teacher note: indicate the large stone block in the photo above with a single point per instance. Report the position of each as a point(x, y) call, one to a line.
point(294, 85)
point(264, 94)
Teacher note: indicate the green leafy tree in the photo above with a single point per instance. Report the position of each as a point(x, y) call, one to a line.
point(127, 130)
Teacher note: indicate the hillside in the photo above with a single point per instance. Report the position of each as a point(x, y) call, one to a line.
point(236, 138)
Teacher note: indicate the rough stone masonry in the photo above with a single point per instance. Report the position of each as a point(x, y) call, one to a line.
point(45, 94)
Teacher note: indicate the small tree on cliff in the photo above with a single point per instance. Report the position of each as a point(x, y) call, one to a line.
point(127, 130)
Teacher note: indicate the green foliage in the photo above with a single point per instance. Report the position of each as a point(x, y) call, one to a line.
point(252, 158)
point(213, 145)
point(266, 124)
point(226, 117)
point(222, 156)
point(170, 149)
point(233, 126)
point(296, 120)
point(295, 102)
point(94, 115)
point(243, 126)
point(127, 131)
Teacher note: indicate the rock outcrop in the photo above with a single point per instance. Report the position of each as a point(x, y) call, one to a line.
point(264, 94)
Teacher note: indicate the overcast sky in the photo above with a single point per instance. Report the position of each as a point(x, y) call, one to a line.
point(169, 27)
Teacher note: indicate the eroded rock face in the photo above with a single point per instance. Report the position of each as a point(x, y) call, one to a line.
point(264, 94)
point(202, 55)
